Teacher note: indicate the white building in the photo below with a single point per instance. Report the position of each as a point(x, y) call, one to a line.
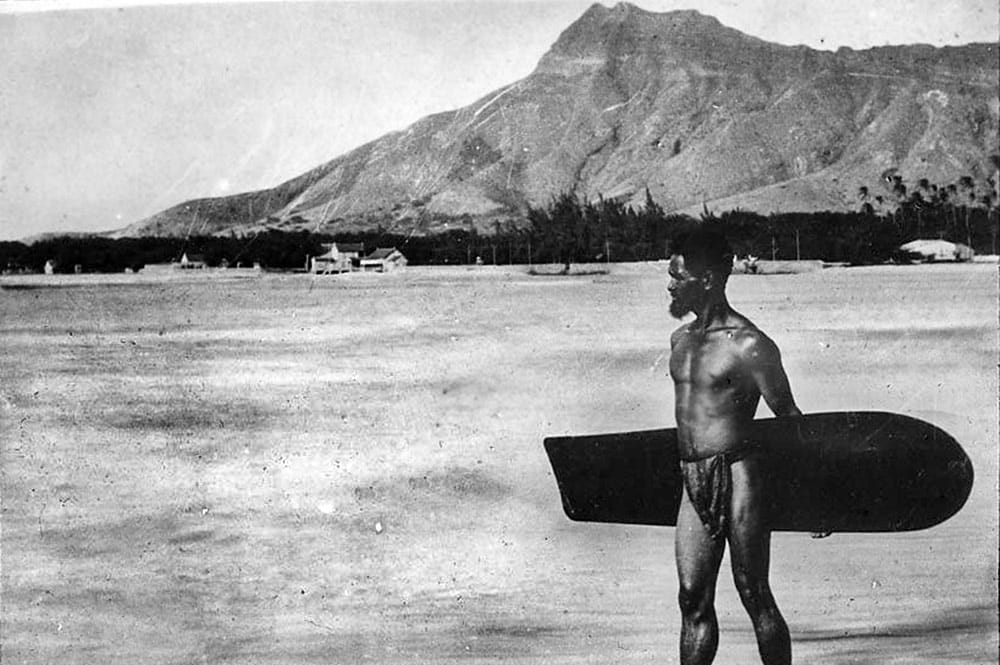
point(384, 259)
point(192, 261)
point(337, 257)
point(936, 250)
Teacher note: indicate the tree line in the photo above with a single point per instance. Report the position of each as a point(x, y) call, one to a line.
point(273, 249)
point(573, 230)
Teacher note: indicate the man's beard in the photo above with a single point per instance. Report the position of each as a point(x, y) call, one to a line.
point(680, 307)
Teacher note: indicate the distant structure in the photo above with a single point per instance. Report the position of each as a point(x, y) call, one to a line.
point(930, 251)
point(384, 259)
point(745, 266)
point(338, 257)
point(191, 261)
point(50, 267)
point(15, 268)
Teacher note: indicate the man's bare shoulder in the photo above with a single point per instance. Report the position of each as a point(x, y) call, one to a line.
point(753, 343)
point(679, 334)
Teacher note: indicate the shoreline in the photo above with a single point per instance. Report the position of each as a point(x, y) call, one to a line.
point(547, 270)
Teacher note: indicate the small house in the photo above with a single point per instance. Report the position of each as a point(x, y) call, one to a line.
point(192, 261)
point(337, 257)
point(935, 250)
point(383, 259)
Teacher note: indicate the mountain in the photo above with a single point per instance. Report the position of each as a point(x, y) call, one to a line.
point(676, 102)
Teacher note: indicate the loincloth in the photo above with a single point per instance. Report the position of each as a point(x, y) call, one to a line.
point(709, 485)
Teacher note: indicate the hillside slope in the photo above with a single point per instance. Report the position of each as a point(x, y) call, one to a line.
point(627, 100)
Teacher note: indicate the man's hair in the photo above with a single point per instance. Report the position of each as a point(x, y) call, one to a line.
point(704, 249)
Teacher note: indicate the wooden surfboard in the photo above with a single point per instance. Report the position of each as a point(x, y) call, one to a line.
point(859, 471)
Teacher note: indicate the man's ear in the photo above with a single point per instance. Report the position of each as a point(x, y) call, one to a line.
point(710, 279)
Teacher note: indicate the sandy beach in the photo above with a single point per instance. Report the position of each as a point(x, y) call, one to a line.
point(283, 468)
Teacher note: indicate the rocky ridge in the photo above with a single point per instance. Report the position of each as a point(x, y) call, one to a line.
point(625, 100)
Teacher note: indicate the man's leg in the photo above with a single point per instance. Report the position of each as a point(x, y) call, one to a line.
point(698, 558)
point(750, 551)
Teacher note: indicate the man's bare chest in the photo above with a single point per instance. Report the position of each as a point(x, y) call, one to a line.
point(706, 361)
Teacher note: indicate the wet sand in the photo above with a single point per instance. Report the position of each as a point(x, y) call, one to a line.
point(297, 469)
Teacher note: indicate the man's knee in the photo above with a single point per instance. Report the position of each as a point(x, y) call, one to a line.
point(694, 602)
point(755, 594)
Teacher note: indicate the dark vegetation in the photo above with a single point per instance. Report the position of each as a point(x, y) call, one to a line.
point(571, 230)
point(96, 254)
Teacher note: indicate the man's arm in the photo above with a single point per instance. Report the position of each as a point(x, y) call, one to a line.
point(768, 373)
point(764, 360)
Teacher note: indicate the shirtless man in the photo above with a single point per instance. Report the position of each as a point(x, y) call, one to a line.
point(721, 365)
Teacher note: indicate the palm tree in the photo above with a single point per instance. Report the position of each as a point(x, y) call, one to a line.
point(994, 180)
point(968, 186)
point(899, 191)
point(495, 239)
point(924, 185)
point(916, 201)
point(992, 201)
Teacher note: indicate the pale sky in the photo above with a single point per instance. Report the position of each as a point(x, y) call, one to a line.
point(115, 111)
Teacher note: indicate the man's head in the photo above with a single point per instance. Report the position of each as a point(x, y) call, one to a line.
point(699, 267)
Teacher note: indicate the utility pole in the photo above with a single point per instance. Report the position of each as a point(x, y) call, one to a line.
point(774, 249)
point(798, 253)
